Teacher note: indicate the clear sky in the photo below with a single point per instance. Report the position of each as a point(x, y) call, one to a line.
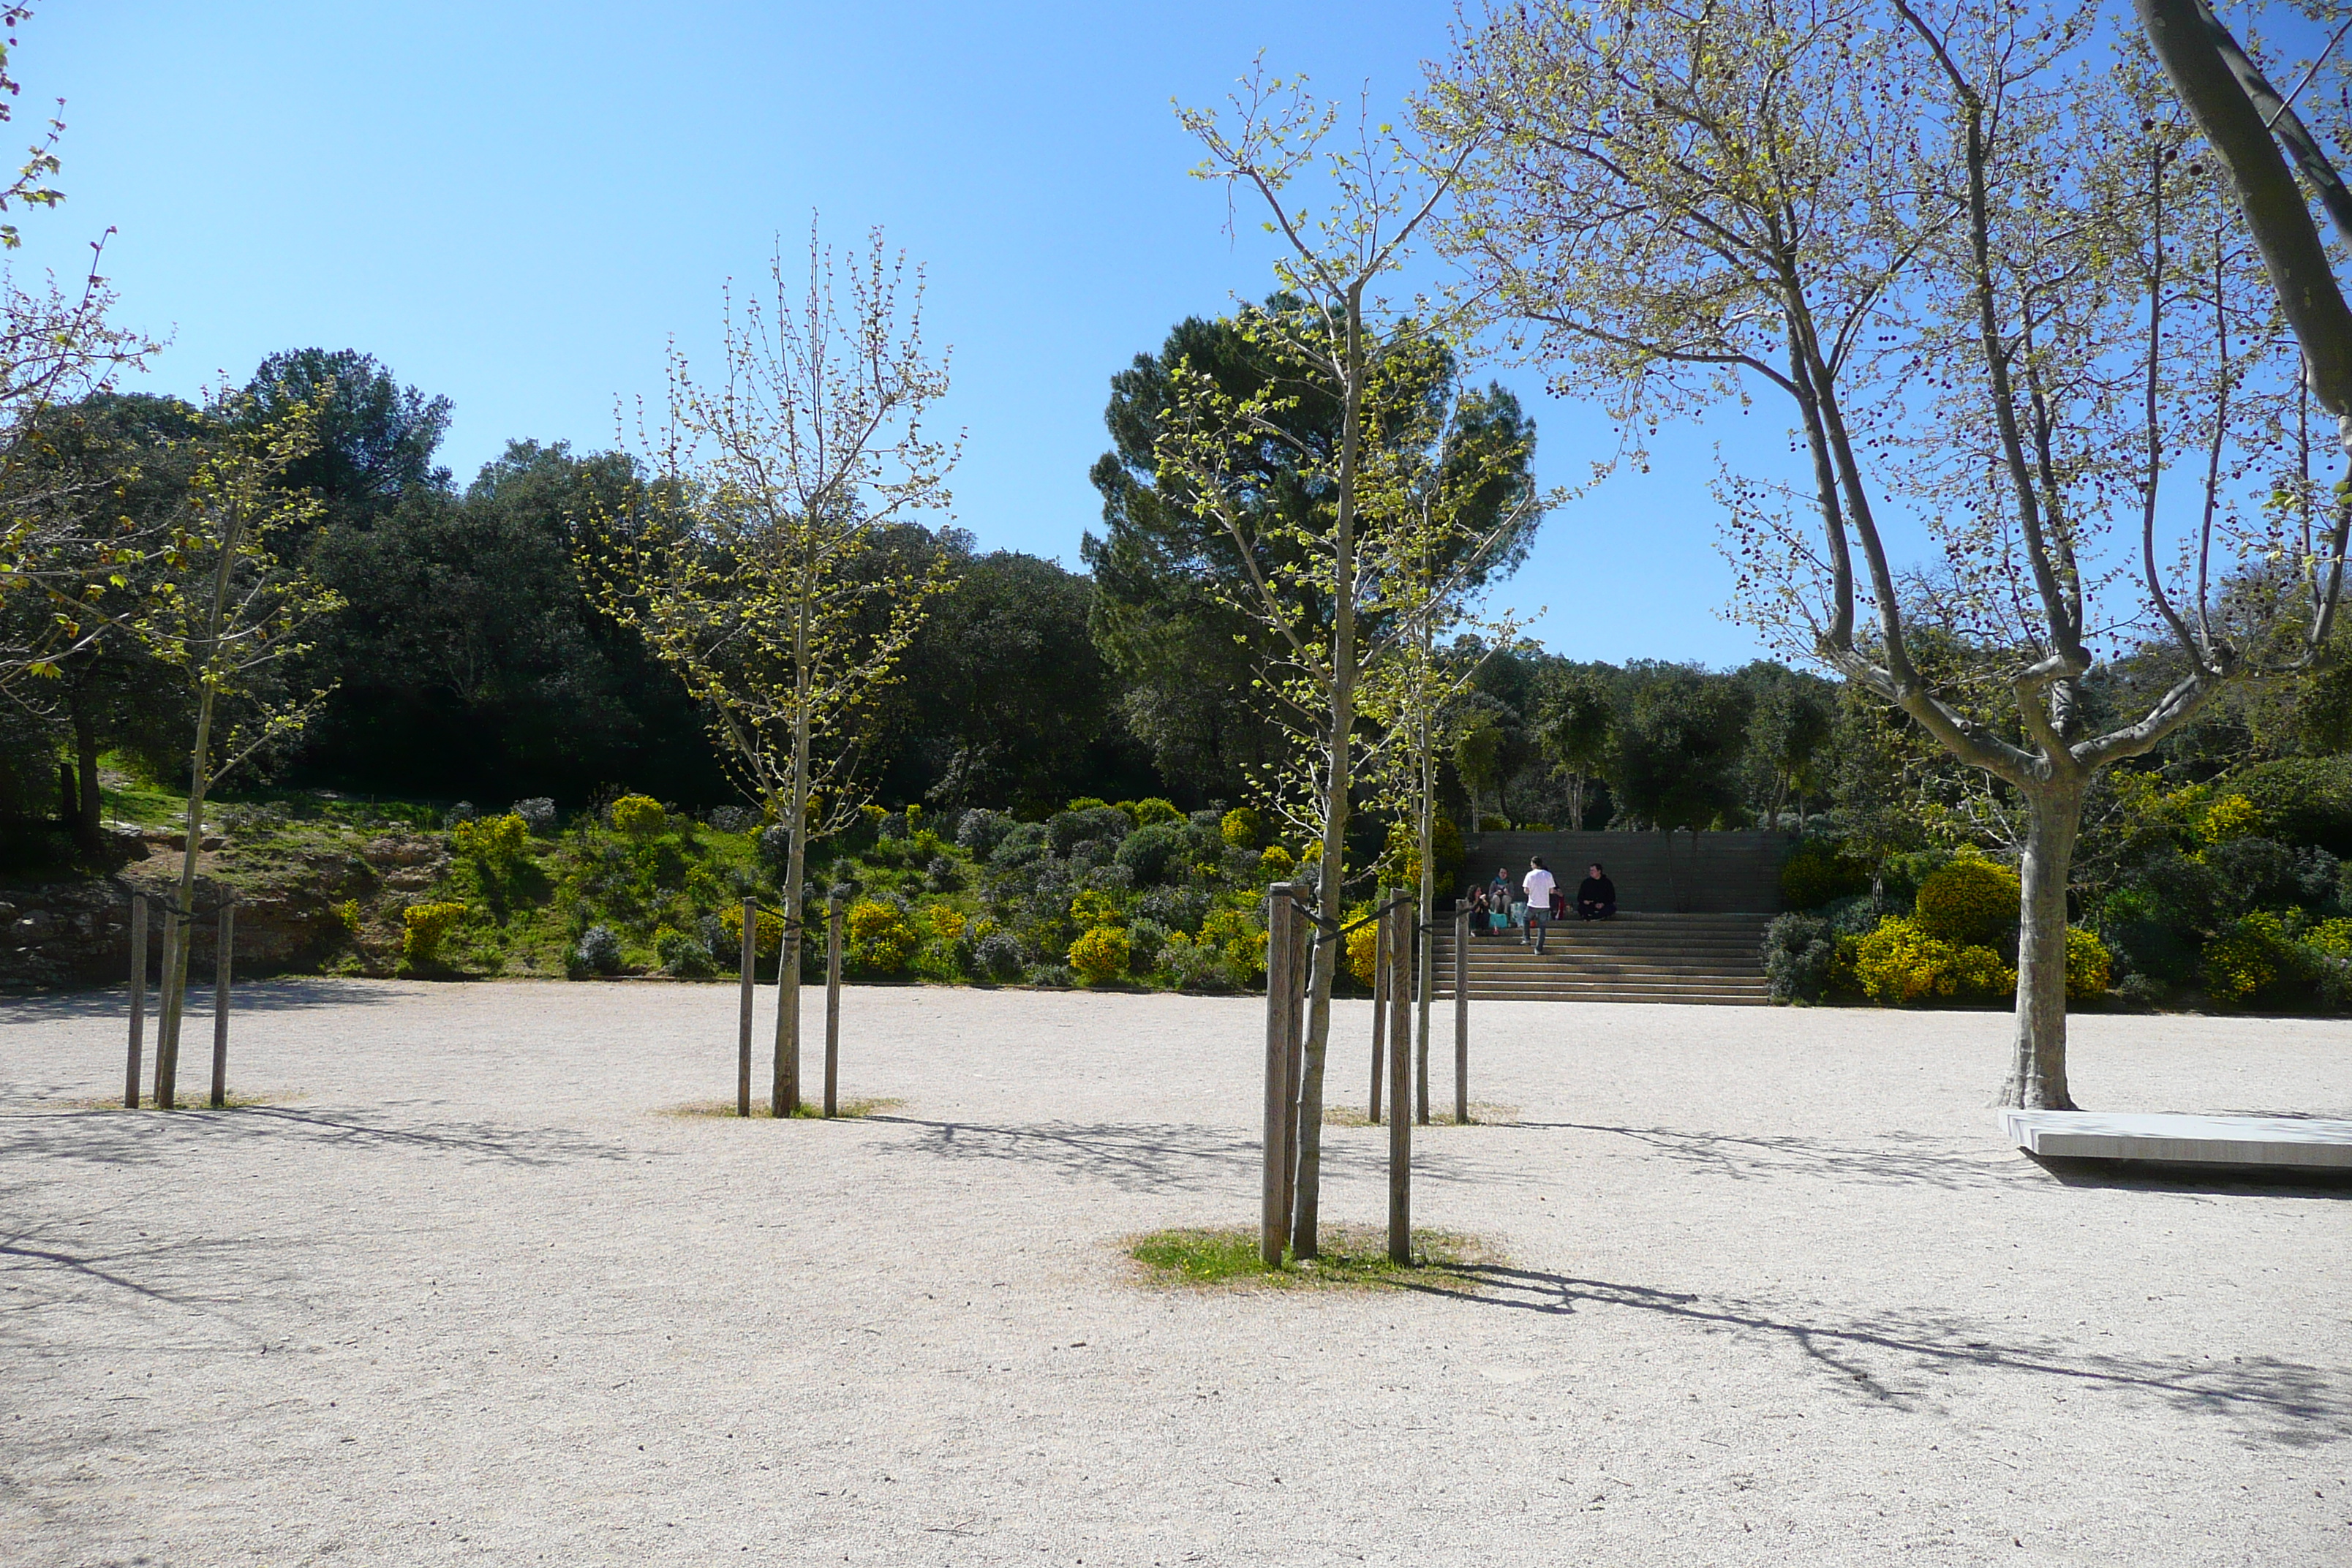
point(516, 203)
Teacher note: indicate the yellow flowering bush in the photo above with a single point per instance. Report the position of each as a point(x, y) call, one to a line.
point(422, 928)
point(496, 841)
point(1276, 863)
point(880, 940)
point(1242, 827)
point(1363, 949)
point(1968, 903)
point(1099, 954)
point(2232, 816)
point(638, 816)
point(1096, 907)
point(767, 931)
point(1900, 964)
point(1240, 938)
point(944, 922)
point(2252, 954)
point(2089, 966)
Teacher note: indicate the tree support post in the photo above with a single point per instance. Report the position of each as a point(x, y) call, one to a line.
point(1400, 1087)
point(785, 1099)
point(749, 971)
point(1302, 958)
point(138, 997)
point(1462, 1017)
point(1408, 966)
point(1274, 1216)
point(224, 961)
point(1379, 1009)
point(832, 1002)
point(175, 939)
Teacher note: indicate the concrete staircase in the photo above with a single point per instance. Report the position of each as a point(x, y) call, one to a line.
point(1635, 957)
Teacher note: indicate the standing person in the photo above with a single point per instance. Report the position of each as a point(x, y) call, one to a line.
point(1596, 896)
point(1539, 885)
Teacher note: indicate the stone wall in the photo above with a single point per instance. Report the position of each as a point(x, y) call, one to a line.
point(1663, 873)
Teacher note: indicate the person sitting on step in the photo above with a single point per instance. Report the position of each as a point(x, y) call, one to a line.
point(1596, 896)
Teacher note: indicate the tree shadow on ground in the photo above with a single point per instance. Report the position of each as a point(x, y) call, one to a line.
point(1894, 1357)
point(147, 1137)
point(1896, 1159)
point(290, 996)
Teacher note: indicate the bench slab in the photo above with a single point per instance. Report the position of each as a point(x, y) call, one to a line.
point(2269, 1141)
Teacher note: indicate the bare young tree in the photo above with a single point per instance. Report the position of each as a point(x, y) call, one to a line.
point(1936, 231)
point(753, 567)
point(1381, 191)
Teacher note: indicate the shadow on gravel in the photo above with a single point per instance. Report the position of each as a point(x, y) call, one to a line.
point(2155, 1176)
point(1182, 1158)
point(251, 997)
point(137, 1138)
point(1890, 1358)
point(1899, 1160)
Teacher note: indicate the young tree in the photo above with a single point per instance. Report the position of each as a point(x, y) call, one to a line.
point(752, 566)
point(230, 613)
point(1575, 730)
point(1331, 332)
point(1931, 228)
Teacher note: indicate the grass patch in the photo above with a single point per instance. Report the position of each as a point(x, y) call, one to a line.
point(1482, 1113)
point(198, 1101)
point(1355, 1256)
point(849, 1109)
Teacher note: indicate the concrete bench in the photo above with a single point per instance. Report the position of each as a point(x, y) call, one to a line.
point(2265, 1143)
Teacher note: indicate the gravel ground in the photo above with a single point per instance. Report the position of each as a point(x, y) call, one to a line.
point(463, 1291)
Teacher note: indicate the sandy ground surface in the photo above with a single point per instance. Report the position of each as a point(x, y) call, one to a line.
point(465, 1294)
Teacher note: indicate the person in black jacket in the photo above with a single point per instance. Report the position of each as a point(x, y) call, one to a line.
point(1596, 896)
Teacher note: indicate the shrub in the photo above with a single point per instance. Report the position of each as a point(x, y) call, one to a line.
point(1853, 915)
point(637, 816)
point(1151, 813)
point(422, 928)
point(1490, 823)
point(1798, 951)
point(494, 842)
point(538, 814)
point(1088, 803)
point(1096, 824)
point(1242, 827)
point(1150, 853)
point(1364, 948)
point(1239, 937)
point(2142, 991)
point(982, 831)
point(1177, 909)
point(893, 827)
point(462, 812)
point(2250, 955)
point(1099, 954)
point(2232, 816)
point(2303, 800)
point(1900, 964)
point(1028, 842)
point(1195, 965)
point(1276, 863)
point(2089, 966)
point(599, 951)
point(1970, 902)
point(1817, 873)
point(686, 957)
point(1145, 939)
point(767, 932)
point(999, 956)
point(880, 940)
point(1053, 976)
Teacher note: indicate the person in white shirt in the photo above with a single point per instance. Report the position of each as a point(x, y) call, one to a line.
point(1538, 886)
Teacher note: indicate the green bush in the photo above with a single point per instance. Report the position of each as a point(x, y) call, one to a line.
point(1149, 813)
point(1971, 902)
point(1817, 873)
point(1150, 853)
point(494, 842)
point(1242, 827)
point(2089, 966)
point(2303, 800)
point(2252, 955)
point(684, 955)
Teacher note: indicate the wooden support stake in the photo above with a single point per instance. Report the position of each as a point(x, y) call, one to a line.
point(751, 973)
point(173, 940)
point(1273, 1215)
point(138, 997)
point(1411, 937)
point(1400, 1123)
point(1302, 960)
point(1462, 1016)
point(832, 1004)
point(224, 961)
point(1380, 1007)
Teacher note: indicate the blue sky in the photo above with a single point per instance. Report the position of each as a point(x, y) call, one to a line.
point(517, 205)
